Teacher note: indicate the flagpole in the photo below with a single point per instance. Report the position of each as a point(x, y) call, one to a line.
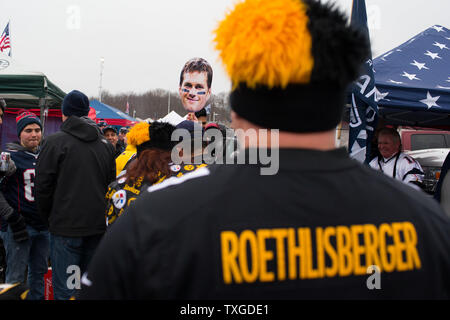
point(5, 39)
point(168, 105)
point(361, 124)
point(101, 74)
point(10, 46)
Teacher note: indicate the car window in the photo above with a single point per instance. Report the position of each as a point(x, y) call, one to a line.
point(428, 141)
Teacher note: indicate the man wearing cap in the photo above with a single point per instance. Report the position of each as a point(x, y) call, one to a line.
point(102, 124)
point(191, 144)
point(123, 137)
point(24, 233)
point(74, 169)
point(323, 226)
point(110, 134)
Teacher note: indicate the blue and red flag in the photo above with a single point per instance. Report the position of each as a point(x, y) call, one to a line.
point(364, 109)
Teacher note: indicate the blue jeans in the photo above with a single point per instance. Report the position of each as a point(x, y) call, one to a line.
point(69, 258)
point(33, 254)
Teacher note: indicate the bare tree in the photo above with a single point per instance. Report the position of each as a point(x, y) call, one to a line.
point(156, 104)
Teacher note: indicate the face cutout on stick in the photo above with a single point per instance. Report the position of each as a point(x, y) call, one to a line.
point(194, 91)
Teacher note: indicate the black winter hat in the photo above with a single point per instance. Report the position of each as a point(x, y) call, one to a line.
point(295, 73)
point(75, 103)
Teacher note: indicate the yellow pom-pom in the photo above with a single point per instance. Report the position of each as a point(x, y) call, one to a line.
point(266, 42)
point(138, 134)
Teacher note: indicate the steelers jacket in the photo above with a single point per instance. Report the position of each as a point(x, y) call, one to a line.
point(125, 158)
point(322, 227)
point(121, 195)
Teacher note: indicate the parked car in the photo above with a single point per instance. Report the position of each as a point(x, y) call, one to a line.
point(424, 139)
point(431, 161)
point(429, 147)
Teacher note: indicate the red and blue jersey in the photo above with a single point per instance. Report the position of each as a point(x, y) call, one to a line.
point(18, 188)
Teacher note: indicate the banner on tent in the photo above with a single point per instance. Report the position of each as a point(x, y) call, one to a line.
point(364, 110)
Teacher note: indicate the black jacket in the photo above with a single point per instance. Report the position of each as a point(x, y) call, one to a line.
point(73, 171)
point(308, 232)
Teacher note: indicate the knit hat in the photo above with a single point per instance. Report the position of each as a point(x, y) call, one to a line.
point(194, 128)
point(25, 118)
point(290, 62)
point(109, 128)
point(154, 135)
point(75, 103)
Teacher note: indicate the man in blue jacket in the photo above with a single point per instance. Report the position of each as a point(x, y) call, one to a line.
point(24, 234)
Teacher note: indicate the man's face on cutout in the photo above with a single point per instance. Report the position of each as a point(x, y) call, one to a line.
point(194, 91)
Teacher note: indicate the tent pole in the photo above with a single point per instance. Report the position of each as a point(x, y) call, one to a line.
point(43, 110)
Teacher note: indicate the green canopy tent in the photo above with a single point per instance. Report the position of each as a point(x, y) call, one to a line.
point(31, 90)
point(27, 89)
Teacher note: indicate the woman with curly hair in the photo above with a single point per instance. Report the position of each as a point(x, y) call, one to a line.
point(151, 165)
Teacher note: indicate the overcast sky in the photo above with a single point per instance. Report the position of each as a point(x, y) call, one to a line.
point(145, 43)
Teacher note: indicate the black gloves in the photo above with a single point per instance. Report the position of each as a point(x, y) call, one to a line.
point(18, 227)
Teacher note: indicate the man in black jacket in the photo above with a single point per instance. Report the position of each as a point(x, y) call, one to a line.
point(73, 171)
point(5, 208)
point(315, 227)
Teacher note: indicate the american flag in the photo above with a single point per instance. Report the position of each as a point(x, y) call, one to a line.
point(5, 41)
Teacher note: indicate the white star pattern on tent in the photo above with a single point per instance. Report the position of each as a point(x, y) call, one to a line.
point(430, 101)
point(386, 55)
point(409, 76)
point(427, 84)
point(395, 82)
point(380, 95)
point(432, 55)
point(419, 65)
point(440, 45)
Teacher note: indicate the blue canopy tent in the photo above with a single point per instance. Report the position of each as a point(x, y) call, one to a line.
point(413, 81)
point(111, 115)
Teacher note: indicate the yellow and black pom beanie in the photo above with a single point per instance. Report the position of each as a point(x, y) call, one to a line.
point(290, 62)
point(144, 135)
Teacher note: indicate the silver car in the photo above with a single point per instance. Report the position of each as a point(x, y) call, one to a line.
point(431, 161)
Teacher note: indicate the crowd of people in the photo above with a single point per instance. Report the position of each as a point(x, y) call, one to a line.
point(135, 224)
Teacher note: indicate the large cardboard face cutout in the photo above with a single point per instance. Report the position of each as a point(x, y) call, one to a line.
point(194, 91)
